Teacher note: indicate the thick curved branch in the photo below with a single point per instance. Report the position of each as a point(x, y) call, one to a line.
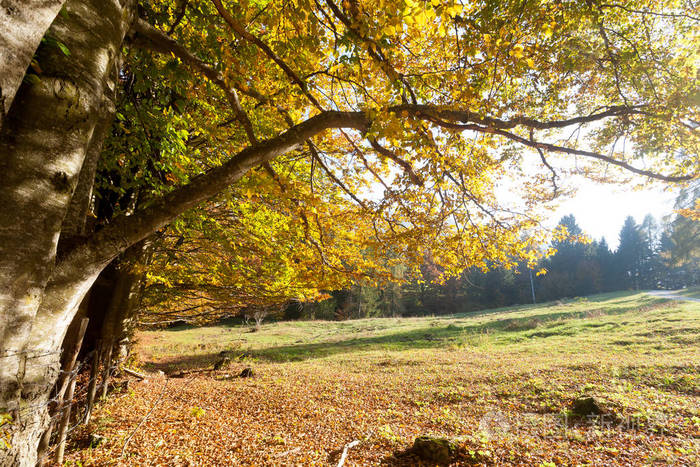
point(127, 230)
point(158, 41)
point(562, 149)
point(153, 39)
point(465, 116)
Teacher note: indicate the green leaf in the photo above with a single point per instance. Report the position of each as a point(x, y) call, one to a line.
point(31, 78)
point(63, 48)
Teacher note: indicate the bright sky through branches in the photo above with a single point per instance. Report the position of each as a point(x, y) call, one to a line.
point(600, 210)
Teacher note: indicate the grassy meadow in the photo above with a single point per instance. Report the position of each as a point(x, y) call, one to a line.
point(501, 382)
point(692, 292)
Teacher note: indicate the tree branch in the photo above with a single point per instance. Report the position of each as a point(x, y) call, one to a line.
point(562, 149)
point(648, 12)
point(390, 154)
point(126, 230)
point(373, 49)
point(241, 31)
point(149, 37)
point(179, 17)
point(465, 116)
point(317, 157)
point(158, 41)
point(548, 165)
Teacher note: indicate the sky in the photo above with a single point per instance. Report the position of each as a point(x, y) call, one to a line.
point(600, 210)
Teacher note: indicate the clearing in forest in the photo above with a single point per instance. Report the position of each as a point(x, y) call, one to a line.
point(501, 382)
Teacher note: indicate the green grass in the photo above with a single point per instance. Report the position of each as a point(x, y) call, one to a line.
point(692, 292)
point(320, 384)
point(617, 322)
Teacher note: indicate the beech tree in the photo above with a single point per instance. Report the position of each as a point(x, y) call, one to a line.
point(398, 121)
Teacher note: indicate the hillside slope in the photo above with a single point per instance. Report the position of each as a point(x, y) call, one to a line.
point(502, 382)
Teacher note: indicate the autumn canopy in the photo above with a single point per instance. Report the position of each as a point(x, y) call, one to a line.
point(439, 108)
point(279, 149)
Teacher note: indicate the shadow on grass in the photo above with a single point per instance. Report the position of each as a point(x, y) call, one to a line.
point(561, 323)
point(606, 297)
point(421, 338)
point(182, 362)
point(427, 337)
point(431, 337)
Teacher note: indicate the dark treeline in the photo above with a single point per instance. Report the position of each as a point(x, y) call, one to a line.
point(650, 255)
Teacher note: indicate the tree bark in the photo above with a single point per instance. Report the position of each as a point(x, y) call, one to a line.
point(43, 143)
point(124, 231)
point(74, 222)
point(45, 137)
point(42, 149)
point(24, 23)
point(114, 298)
point(62, 385)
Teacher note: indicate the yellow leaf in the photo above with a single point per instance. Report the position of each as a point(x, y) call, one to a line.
point(517, 51)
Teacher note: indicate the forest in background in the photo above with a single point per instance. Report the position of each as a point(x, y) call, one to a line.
point(663, 254)
point(650, 255)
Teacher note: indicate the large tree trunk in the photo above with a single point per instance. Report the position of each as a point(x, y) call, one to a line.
point(71, 349)
point(43, 144)
point(24, 23)
point(116, 294)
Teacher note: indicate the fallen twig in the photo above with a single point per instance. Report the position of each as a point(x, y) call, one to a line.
point(345, 451)
point(286, 453)
point(183, 373)
point(134, 373)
